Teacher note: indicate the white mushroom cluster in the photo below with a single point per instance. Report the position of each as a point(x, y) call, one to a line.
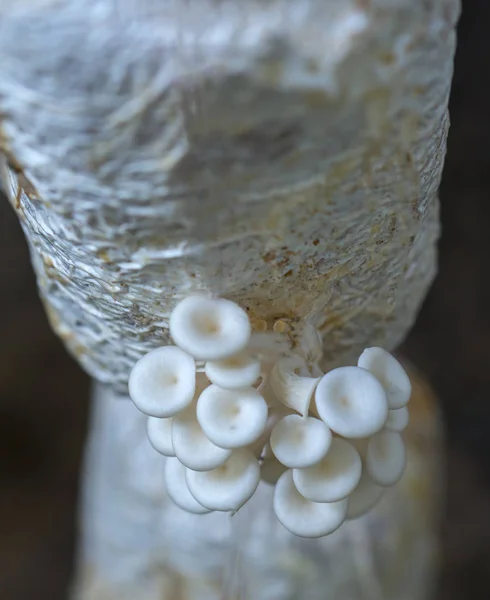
point(204, 410)
point(344, 448)
point(228, 412)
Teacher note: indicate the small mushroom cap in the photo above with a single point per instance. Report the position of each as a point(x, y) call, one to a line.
point(352, 402)
point(228, 487)
point(300, 441)
point(390, 373)
point(301, 516)
point(160, 435)
point(231, 418)
point(191, 445)
point(163, 382)
point(386, 458)
point(176, 486)
point(292, 384)
point(364, 497)
point(334, 477)
point(210, 328)
point(397, 419)
point(237, 371)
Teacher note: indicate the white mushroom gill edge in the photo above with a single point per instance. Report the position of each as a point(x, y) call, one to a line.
point(160, 435)
point(237, 371)
point(228, 487)
point(231, 418)
point(191, 445)
point(300, 441)
point(364, 497)
point(397, 419)
point(163, 382)
point(386, 458)
point(210, 328)
point(390, 373)
point(334, 477)
point(352, 402)
point(303, 517)
point(291, 384)
point(176, 486)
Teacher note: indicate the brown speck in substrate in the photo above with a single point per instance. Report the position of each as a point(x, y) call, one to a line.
point(288, 273)
point(316, 242)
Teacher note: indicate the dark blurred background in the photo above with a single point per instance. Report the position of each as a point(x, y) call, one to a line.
point(44, 395)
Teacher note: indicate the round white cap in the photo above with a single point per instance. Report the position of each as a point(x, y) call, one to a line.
point(163, 382)
point(231, 418)
point(237, 371)
point(300, 441)
point(352, 402)
point(176, 486)
point(228, 487)
point(160, 435)
point(390, 373)
point(386, 458)
point(334, 477)
point(303, 517)
point(210, 328)
point(191, 445)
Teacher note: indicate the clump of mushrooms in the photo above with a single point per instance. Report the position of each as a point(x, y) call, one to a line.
point(229, 407)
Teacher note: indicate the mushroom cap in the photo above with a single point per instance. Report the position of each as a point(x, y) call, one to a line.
point(191, 445)
point(390, 373)
point(210, 328)
point(397, 419)
point(176, 486)
point(232, 418)
point(228, 487)
point(160, 435)
point(236, 371)
point(163, 382)
point(334, 477)
point(300, 441)
point(364, 497)
point(352, 402)
point(303, 517)
point(292, 384)
point(386, 458)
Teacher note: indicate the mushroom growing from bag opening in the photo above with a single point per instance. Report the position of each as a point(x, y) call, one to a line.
point(291, 384)
point(210, 328)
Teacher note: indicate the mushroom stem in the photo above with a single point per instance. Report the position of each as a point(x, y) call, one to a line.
point(292, 385)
